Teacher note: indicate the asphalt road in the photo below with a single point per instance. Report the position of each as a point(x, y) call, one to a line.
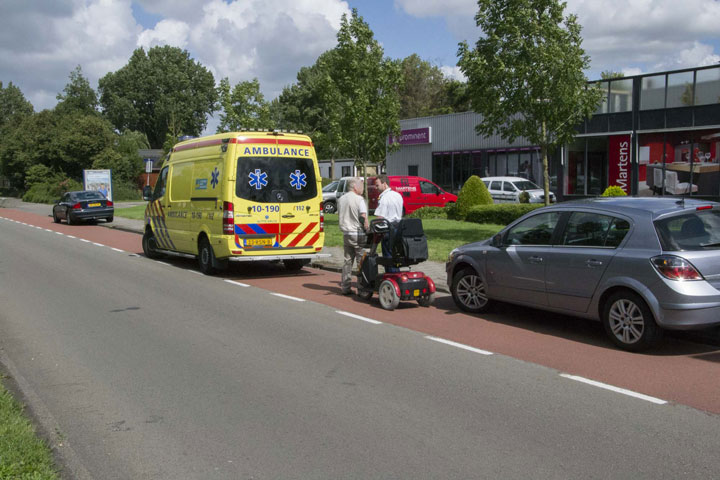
point(147, 370)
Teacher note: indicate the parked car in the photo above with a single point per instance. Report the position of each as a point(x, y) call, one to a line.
point(417, 192)
point(86, 205)
point(329, 193)
point(508, 189)
point(639, 265)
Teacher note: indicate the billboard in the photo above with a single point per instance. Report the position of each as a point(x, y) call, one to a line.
point(98, 180)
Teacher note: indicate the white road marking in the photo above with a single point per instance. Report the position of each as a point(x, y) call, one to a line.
point(71, 236)
point(47, 230)
point(163, 263)
point(232, 281)
point(364, 319)
point(86, 241)
point(39, 228)
point(98, 244)
point(195, 272)
point(59, 233)
point(118, 250)
point(459, 345)
point(295, 299)
point(615, 389)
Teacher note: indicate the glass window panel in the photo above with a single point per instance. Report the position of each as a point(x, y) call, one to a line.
point(512, 164)
point(603, 107)
point(621, 95)
point(586, 230)
point(707, 87)
point(652, 95)
point(575, 184)
point(680, 90)
point(501, 164)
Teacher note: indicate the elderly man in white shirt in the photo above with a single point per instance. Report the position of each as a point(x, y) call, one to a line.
point(390, 207)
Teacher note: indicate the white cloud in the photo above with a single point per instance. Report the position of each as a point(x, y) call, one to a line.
point(453, 72)
point(42, 42)
point(166, 32)
point(619, 35)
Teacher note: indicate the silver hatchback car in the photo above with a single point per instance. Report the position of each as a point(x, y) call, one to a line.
point(640, 265)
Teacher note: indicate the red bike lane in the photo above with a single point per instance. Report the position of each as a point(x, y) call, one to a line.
point(677, 371)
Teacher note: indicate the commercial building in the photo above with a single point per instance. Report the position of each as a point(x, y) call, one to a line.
point(652, 134)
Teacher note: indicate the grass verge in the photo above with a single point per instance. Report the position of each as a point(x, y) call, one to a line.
point(22, 454)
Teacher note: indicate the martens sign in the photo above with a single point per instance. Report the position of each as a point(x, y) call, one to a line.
point(619, 162)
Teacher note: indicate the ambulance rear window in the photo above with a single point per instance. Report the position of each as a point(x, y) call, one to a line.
point(275, 179)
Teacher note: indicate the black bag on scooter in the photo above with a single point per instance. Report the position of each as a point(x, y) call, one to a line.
point(409, 241)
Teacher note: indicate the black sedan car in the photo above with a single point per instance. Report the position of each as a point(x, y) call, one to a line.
point(74, 207)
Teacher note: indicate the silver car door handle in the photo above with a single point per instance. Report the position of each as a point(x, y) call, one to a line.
point(593, 263)
point(535, 259)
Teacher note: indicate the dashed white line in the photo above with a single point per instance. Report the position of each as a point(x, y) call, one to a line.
point(229, 281)
point(71, 236)
point(98, 244)
point(364, 319)
point(117, 250)
point(48, 230)
point(459, 345)
point(59, 233)
point(84, 240)
point(615, 389)
point(163, 263)
point(295, 299)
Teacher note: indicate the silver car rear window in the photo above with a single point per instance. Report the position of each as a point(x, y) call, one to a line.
point(694, 230)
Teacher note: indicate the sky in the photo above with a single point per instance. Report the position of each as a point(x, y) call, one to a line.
point(42, 41)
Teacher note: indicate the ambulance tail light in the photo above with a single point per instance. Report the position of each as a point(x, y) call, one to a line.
point(228, 218)
point(322, 217)
point(77, 206)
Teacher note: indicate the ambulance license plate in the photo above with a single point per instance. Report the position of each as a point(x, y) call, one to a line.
point(93, 204)
point(416, 293)
point(258, 242)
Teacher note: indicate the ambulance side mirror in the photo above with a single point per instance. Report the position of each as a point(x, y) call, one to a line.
point(147, 192)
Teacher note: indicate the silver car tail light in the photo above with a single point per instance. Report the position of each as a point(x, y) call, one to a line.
point(675, 268)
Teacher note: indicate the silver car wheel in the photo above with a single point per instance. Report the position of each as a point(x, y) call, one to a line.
point(471, 292)
point(626, 321)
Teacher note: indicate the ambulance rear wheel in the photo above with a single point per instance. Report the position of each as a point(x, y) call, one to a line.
point(149, 245)
point(389, 299)
point(295, 264)
point(426, 301)
point(206, 257)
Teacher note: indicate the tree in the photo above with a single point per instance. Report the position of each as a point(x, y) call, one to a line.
point(525, 76)
point(242, 107)
point(423, 92)
point(362, 97)
point(78, 96)
point(609, 75)
point(457, 96)
point(156, 90)
point(13, 105)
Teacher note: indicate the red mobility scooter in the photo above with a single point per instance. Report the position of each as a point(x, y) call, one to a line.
point(409, 247)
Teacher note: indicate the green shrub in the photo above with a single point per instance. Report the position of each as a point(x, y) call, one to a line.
point(500, 214)
point(126, 191)
point(524, 197)
point(473, 193)
point(50, 192)
point(614, 191)
point(451, 211)
point(428, 213)
point(41, 174)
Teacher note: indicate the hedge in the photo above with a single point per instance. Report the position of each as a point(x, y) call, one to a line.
point(500, 214)
point(429, 213)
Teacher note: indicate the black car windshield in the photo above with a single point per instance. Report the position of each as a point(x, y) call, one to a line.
point(89, 195)
point(525, 185)
point(697, 230)
point(275, 179)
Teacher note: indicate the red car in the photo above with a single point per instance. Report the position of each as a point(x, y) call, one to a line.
point(417, 192)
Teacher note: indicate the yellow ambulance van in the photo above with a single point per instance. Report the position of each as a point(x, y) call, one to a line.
point(240, 196)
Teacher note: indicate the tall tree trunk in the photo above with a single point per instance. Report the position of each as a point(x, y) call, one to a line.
point(332, 167)
point(546, 176)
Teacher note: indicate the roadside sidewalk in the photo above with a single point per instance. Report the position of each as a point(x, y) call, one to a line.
point(435, 270)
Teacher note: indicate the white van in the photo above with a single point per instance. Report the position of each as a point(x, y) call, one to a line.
point(508, 189)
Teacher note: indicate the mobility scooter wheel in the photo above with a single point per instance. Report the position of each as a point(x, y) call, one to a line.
point(364, 293)
point(387, 295)
point(426, 301)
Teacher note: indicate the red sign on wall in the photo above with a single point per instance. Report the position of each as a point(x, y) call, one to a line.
point(619, 162)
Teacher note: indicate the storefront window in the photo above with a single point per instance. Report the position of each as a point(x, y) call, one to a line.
point(513, 164)
point(597, 165)
point(680, 90)
point(707, 87)
point(575, 184)
point(652, 95)
point(621, 95)
point(442, 170)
